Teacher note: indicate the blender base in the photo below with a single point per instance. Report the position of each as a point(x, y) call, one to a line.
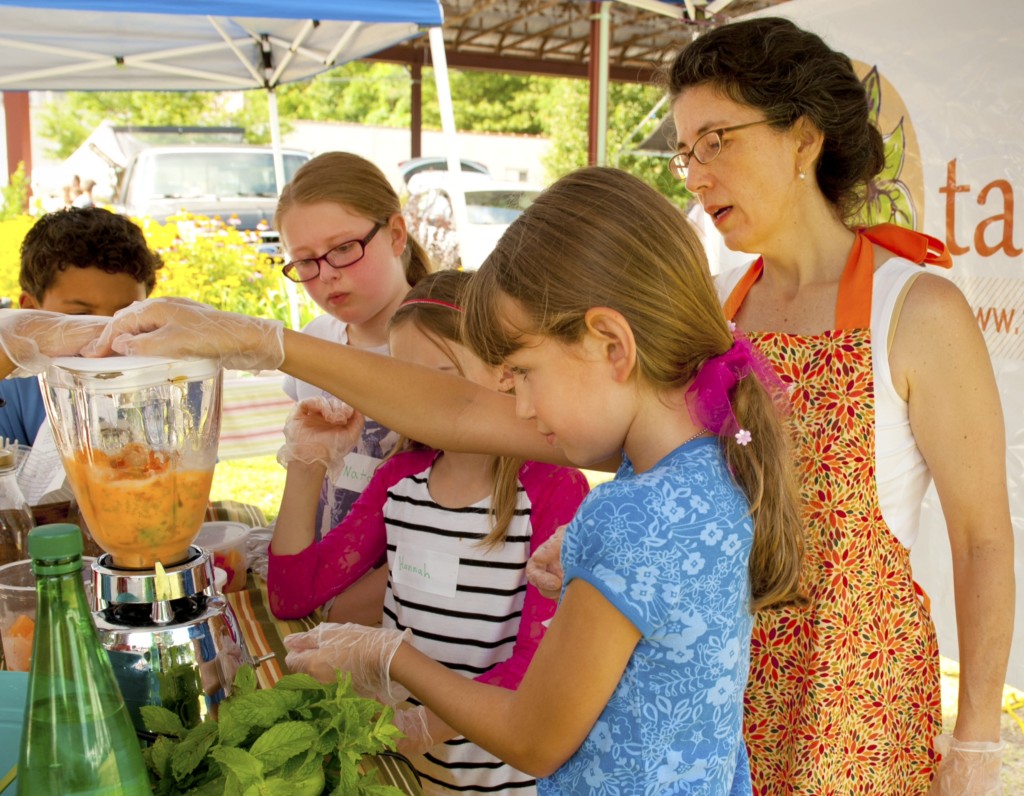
point(172, 639)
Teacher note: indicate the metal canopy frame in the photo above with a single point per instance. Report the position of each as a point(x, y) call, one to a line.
point(553, 37)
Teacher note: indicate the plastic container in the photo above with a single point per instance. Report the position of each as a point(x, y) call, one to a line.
point(18, 610)
point(226, 543)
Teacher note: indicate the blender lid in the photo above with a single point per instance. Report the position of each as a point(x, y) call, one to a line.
point(131, 372)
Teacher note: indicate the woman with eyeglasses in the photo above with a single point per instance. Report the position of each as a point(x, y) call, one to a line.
point(892, 388)
point(341, 224)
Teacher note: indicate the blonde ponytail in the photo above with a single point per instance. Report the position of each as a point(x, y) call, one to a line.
point(763, 469)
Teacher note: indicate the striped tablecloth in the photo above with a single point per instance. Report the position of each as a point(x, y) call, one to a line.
point(264, 634)
point(253, 415)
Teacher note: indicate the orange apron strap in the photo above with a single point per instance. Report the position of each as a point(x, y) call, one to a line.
point(853, 309)
point(914, 246)
point(853, 306)
point(739, 292)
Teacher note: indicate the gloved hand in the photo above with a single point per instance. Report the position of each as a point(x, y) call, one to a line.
point(33, 338)
point(413, 722)
point(364, 652)
point(321, 429)
point(544, 568)
point(180, 328)
point(968, 768)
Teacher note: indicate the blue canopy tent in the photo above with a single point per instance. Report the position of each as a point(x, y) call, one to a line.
point(180, 45)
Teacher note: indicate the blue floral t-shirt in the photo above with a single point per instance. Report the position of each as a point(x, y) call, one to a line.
point(669, 549)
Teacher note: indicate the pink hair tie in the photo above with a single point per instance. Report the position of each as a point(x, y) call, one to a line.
point(435, 302)
point(710, 394)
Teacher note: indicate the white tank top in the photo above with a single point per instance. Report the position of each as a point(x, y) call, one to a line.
point(901, 475)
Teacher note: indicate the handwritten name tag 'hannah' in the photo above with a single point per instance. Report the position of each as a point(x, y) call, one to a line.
point(427, 570)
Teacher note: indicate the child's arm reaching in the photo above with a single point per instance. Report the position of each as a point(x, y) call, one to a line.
point(30, 339)
point(535, 728)
point(554, 493)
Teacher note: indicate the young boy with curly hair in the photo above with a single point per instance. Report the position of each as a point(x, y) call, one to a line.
point(77, 261)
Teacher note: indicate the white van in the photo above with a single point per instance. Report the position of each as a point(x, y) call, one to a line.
point(234, 182)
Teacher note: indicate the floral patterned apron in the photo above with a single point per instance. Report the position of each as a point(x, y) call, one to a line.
point(843, 696)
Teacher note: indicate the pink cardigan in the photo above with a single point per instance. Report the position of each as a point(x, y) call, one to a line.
point(299, 584)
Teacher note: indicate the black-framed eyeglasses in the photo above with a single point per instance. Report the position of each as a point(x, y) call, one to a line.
point(341, 256)
point(705, 149)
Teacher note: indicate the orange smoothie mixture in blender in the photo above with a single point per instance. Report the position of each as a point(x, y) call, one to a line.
point(138, 506)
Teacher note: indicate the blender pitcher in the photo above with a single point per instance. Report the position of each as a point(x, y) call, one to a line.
point(138, 437)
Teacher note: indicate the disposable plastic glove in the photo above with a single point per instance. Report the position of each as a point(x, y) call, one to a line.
point(321, 429)
point(184, 329)
point(364, 652)
point(32, 338)
point(413, 722)
point(968, 768)
point(544, 567)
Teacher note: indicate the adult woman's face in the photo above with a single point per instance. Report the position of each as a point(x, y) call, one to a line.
point(749, 189)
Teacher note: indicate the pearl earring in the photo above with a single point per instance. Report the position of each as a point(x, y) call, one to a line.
point(803, 176)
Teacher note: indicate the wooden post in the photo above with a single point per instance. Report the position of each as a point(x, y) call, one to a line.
point(19, 132)
point(416, 111)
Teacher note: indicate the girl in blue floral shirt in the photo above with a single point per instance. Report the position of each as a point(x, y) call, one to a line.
point(599, 301)
point(609, 321)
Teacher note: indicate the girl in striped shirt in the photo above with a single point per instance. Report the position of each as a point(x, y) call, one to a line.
point(455, 530)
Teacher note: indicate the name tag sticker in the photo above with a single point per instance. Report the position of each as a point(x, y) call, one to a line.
point(356, 472)
point(426, 570)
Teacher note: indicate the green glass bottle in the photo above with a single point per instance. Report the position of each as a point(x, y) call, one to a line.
point(77, 736)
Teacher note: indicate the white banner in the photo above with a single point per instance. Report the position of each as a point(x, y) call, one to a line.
point(951, 96)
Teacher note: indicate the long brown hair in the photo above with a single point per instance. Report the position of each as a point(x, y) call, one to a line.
point(434, 307)
point(602, 238)
point(356, 183)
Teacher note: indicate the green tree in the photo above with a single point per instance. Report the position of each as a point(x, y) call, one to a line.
point(14, 196)
point(69, 119)
point(379, 94)
point(489, 101)
point(360, 92)
point(564, 113)
point(73, 115)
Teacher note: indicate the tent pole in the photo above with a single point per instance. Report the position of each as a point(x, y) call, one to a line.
point(604, 39)
point(416, 111)
point(597, 125)
point(444, 101)
point(275, 140)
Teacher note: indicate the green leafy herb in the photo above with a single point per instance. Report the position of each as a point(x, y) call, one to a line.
point(299, 738)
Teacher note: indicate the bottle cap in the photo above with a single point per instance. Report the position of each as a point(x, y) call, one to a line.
point(51, 547)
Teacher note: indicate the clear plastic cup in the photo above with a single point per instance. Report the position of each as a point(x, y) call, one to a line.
point(18, 610)
point(226, 543)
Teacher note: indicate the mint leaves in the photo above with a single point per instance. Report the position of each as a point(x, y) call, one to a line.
point(299, 738)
